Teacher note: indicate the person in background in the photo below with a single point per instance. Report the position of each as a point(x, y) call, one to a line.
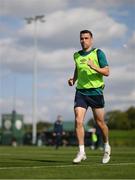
point(58, 131)
point(93, 139)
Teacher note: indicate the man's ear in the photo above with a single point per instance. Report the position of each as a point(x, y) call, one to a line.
point(92, 40)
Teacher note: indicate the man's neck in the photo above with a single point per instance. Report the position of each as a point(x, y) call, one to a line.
point(87, 50)
point(84, 52)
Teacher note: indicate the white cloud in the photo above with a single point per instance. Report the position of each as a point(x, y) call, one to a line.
point(20, 59)
point(16, 59)
point(7, 104)
point(27, 8)
point(23, 7)
point(65, 24)
point(131, 42)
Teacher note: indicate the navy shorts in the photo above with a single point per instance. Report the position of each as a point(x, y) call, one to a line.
point(85, 101)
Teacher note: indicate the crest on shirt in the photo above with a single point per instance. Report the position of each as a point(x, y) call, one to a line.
point(83, 61)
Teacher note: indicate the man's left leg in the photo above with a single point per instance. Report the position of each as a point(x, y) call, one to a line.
point(99, 118)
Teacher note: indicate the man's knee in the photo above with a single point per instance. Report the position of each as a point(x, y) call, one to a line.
point(79, 124)
point(101, 123)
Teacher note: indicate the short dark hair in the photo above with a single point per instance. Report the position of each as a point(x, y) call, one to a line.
point(86, 31)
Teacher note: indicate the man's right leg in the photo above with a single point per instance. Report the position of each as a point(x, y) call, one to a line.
point(79, 119)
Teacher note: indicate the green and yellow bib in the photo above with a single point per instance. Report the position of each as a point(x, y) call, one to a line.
point(88, 78)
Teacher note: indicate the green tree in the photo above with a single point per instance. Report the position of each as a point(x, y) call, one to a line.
point(117, 120)
point(43, 126)
point(131, 116)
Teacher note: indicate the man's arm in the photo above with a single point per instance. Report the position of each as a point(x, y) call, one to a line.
point(72, 81)
point(104, 71)
point(103, 64)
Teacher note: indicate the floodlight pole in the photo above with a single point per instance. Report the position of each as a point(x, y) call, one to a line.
point(34, 89)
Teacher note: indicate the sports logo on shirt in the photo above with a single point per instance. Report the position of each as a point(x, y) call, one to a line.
point(83, 61)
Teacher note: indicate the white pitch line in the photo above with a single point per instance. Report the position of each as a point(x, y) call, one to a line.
point(64, 166)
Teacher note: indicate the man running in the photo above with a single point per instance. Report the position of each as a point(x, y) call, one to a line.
point(90, 67)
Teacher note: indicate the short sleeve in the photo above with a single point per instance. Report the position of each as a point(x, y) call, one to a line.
point(101, 58)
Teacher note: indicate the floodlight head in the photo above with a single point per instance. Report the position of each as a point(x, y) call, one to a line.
point(40, 18)
point(29, 20)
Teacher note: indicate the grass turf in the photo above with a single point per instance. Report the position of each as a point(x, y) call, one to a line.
point(48, 163)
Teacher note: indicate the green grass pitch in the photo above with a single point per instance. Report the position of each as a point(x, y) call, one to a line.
point(48, 163)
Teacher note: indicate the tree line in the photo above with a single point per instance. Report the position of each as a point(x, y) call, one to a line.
point(117, 119)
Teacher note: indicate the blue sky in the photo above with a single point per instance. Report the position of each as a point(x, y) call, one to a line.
point(113, 25)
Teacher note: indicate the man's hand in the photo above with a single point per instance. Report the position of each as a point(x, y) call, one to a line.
point(91, 64)
point(104, 71)
point(71, 82)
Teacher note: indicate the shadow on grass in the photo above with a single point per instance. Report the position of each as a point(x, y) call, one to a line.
point(40, 160)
